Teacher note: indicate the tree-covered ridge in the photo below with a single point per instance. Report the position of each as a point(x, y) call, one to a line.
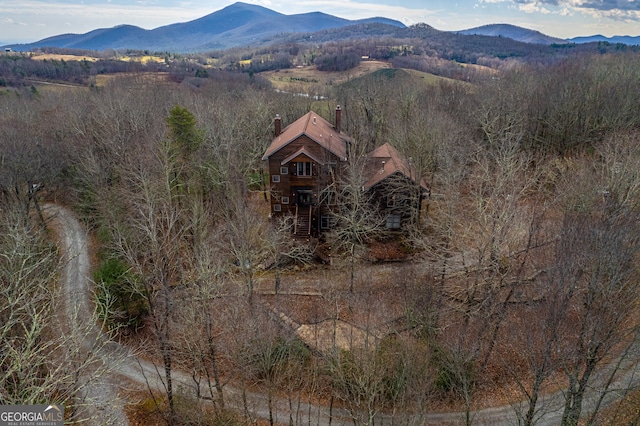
point(419, 47)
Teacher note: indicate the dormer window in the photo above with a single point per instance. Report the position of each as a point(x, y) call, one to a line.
point(304, 168)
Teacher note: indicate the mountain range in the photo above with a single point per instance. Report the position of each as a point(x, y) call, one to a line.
point(235, 25)
point(531, 36)
point(242, 24)
point(512, 32)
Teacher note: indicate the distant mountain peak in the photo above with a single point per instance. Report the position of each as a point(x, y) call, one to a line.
point(513, 32)
point(532, 36)
point(243, 5)
point(234, 25)
point(630, 40)
point(422, 26)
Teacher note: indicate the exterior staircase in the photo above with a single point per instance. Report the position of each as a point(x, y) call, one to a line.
point(302, 224)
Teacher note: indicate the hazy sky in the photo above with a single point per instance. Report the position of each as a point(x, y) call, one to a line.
point(32, 20)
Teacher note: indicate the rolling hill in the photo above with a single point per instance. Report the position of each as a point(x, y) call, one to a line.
point(613, 40)
point(513, 32)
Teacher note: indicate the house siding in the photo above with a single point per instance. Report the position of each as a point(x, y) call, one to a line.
point(319, 179)
point(302, 191)
point(407, 198)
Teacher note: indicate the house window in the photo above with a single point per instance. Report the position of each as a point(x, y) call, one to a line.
point(391, 200)
point(304, 168)
point(329, 169)
point(284, 170)
point(393, 221)
point(327, 222)
point(328, 197)
point(275, 178)
point(285, 200)
point(277, 208)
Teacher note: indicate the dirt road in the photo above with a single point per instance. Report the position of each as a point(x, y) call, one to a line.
point(103, 406)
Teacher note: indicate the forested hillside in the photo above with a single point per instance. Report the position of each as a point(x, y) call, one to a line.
point(520, 281)
point(420, 47)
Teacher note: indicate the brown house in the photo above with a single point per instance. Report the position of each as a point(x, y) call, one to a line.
point(395, 187)
point(305, 161)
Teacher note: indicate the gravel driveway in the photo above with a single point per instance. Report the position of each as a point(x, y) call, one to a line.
point(101, 394)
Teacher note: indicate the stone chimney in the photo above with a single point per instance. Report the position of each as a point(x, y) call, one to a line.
point(277, 125)
point(338, 113)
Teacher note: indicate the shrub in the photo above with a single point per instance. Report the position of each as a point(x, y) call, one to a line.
point(269, 358)
point(338, 62)
point(455, 371)
point(119, 302)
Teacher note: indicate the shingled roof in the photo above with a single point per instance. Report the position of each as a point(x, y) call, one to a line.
point(385, 161)
point(317, 129)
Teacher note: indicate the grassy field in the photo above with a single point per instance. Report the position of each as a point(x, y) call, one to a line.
point(143, 59)
point(309, 80)
point(304, 79)
point(56, 57)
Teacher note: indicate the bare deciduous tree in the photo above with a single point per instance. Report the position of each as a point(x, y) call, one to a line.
point(151, 239)
point(49, 350)
point(356, 220)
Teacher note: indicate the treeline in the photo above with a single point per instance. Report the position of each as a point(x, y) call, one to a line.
point(555, 108)
point(524, 272)
point(18, 69)
point(384, 42)
point(337, 62)
point(566, 107)
point(421, 48)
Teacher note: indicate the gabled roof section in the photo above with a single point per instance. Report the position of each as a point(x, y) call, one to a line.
point(301, 151)
point(317, 129)
point(394, 162)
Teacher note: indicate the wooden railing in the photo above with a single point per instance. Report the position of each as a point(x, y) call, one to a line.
point(299, 225)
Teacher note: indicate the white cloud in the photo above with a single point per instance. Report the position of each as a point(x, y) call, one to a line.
point(615, 15)
point(106, 11)
point(10, 21)
point(614, 10)
point(354, 9)
point(533, 8)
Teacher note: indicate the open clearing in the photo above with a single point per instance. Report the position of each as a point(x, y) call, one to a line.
point(300, 79)
point(60, 57)
point(57, 57)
